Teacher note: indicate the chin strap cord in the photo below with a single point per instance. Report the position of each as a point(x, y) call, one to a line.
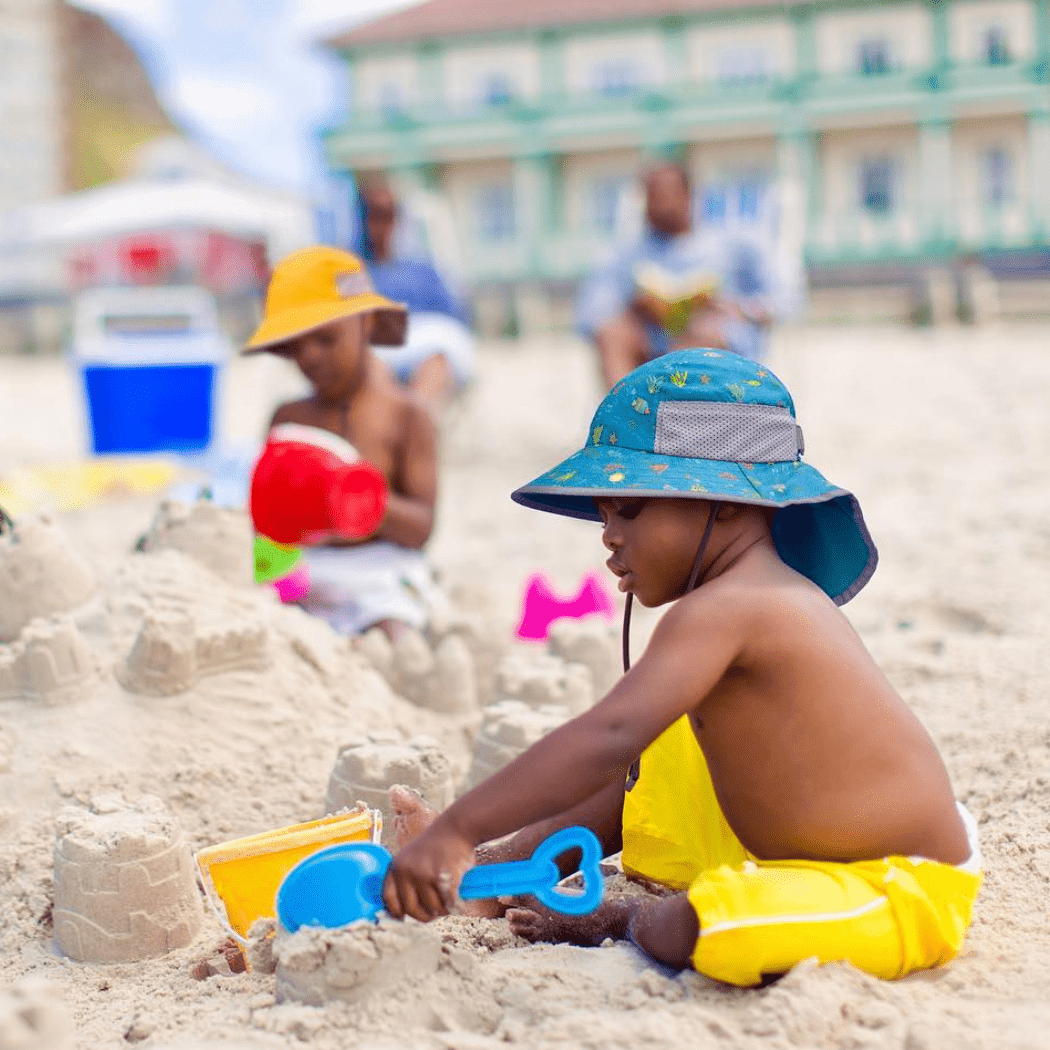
point(7, 523)
point(625, 632)
point(695, 579)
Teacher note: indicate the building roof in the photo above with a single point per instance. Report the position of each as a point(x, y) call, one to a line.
point(449, 18)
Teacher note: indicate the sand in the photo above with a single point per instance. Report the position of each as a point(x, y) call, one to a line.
point(941, 435)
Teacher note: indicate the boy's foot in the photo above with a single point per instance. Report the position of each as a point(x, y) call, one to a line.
point(538, 923)
point(411, 816)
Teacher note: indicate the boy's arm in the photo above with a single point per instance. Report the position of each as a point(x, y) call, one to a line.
point(410, 504)
point(691, 649)
point(602, 813)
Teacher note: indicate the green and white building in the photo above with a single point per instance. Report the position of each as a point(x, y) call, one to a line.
point(900, 133)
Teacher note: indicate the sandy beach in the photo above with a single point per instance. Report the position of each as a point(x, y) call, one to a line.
point(940, 433)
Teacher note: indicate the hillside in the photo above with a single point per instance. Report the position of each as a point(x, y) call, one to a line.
point(110, 105)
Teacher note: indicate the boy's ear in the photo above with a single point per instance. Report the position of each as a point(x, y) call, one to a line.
point(734, 511)
point(388, 327)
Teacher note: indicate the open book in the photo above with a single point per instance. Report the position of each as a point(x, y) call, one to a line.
point(671, 298)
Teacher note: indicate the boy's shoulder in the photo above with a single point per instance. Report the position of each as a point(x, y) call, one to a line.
point(305, 410)
point(745, 602)
point(398, 400)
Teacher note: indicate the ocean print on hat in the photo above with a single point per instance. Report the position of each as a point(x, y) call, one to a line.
point(710, 424)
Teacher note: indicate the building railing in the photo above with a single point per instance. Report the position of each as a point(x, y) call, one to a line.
point(638, 105)
point(855, 235)
point(645, 100)
point(847, 236)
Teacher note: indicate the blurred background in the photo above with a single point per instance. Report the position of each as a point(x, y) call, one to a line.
point(894, 156)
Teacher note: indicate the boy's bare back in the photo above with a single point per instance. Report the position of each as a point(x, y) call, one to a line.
point(812, 753)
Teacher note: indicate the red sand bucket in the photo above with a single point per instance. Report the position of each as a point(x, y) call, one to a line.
point(309, 484)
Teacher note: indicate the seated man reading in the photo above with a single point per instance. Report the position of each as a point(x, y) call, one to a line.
point(321, 313)
point(677, 287)
point(755, 763)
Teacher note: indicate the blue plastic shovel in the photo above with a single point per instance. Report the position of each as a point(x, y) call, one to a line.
point(343, 883)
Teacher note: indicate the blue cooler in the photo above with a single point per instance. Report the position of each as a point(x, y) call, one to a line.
point(150, 359)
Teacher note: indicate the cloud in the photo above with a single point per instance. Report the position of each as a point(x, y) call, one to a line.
point(244, 75)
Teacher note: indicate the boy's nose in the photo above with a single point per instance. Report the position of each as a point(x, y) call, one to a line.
point(611, 537)
point(308, 356)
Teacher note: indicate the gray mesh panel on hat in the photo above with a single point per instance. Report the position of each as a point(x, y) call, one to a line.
point(727, 431)
point(353, 282)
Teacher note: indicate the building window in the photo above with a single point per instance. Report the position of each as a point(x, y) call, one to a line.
point(995, 49)
point(738, 199)
point(743, 65)
point(390, 99)
point(617, 78)
point(496, 90)
point(751, 192)
point(496, 220)
point(997, 177)
point(878, 186)
point(873, 57)
point(714, 203)
point(605, 203)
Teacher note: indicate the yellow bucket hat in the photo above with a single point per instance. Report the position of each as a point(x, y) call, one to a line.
point(310, 288)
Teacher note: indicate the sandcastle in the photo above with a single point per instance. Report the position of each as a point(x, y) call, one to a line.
point(453, 688)
point(40, 575)
point(219, 538)
point(509, 727)
point(484, 639)
point(412, 667)
point(169, 656)
point(366, 769)
point(540, 680)
point(441, 678)
point(34, 1017)
point(315, 966)
point(593, 643)
point(50, 662)
point(124, 882)
point(375, 647)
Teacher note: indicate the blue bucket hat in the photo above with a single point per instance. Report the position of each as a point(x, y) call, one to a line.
point(709, 424)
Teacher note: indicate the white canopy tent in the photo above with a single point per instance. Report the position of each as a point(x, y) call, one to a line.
point(34, 240)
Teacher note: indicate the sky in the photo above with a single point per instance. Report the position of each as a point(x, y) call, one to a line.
point(245, 77)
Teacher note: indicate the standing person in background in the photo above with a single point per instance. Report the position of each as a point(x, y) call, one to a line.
point(677, 287)
point(437, 358)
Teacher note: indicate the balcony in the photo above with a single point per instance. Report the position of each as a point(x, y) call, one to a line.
point(668, 113)
point(857, 236)
point(523, 125)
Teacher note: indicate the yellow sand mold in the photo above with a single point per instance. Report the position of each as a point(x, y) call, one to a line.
point(241, 877)
point(71, 486)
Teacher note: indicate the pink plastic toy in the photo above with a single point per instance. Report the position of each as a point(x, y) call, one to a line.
point(541, 606)
point(294, 586)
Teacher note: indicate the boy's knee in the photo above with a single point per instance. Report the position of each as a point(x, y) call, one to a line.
point(666, 931)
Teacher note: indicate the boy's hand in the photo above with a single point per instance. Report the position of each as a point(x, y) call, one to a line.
point(424, 877)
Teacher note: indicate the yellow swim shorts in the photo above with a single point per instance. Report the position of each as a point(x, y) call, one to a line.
point(888, 917)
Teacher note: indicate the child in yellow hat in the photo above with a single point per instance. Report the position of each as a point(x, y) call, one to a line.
point(322, 313)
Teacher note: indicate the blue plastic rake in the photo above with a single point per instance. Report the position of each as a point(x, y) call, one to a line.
point(344, 883)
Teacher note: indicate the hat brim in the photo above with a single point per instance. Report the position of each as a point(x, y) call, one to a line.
point(290, 324)
point(819, 529)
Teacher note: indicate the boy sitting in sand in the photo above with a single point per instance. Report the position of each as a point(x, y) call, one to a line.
point(321, 313)
point(785, 795)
